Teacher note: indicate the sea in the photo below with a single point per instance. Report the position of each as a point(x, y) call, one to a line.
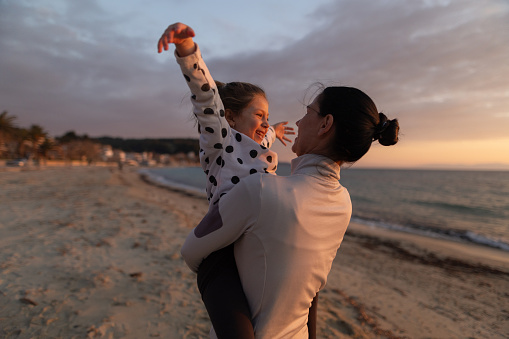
point(461, 206)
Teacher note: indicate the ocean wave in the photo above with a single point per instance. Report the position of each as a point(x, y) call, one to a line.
point(163, 181)
point(435, 232)
point(459, 208)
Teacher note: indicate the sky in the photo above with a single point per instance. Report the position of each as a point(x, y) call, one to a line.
point(440, 67)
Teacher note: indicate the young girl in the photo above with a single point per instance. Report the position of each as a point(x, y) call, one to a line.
point(234, 139)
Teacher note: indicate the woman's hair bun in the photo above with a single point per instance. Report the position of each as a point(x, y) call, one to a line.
point(386, 132)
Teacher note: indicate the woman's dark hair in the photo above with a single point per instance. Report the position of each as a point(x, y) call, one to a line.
point(357, 122)
point(236, 96)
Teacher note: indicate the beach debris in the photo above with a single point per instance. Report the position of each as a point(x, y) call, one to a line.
point(92, 332)
point(49, 321)
point(103, 242)
point(101, 279)
point(28, 301)
point(136, 275)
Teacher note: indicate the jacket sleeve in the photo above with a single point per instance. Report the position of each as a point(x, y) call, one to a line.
point(269, 138)
point(207, 105)
point(235, 214)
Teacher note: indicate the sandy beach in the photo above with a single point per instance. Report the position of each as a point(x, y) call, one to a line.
point(94, 252)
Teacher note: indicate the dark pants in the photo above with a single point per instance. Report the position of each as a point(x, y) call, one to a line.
point(223, 296)
point(225, 301)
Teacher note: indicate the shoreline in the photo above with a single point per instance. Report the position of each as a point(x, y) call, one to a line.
point(449, 235)
point(455, 242)
point(470, 252)
point(95, 252)
point(492, 258)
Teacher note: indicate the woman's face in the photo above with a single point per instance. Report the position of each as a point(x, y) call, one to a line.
point(253, 121)
point(307, 129)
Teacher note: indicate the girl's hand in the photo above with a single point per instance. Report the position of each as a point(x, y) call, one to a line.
point(179, 34)
point(282, 130)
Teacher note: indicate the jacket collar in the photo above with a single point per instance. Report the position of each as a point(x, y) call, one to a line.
point(317, 166)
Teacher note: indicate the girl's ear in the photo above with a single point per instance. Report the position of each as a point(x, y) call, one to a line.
point(230, 117)
point(326, 125)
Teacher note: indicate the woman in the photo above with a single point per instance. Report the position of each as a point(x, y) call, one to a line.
point(287, 230)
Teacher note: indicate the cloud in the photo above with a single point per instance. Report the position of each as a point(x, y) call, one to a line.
point(431, 65)
point(438, 66)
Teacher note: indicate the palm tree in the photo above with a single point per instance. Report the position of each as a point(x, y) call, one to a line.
point(36, 136)
point(44, 148)
point(7, 130)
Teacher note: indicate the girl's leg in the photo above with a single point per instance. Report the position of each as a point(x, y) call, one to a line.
point(223, 296)
point(313, 311)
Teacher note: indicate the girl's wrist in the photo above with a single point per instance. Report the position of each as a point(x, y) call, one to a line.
point(185, 48)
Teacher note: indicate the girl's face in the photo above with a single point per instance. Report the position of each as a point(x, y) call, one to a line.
point(307, 129)
point(253, 121)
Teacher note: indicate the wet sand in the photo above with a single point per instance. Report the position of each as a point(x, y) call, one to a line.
point(94, 252)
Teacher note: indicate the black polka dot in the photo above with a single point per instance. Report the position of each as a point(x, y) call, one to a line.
point(211, 130)
point(213, 180)
point(214, 90)
point(218, 146)
point(187, 78)
point(253, 153)
point(205, 87)
point(193, 97)
point(208, 111)
point(269, 158)
point(207, 172)
point(235, 179)
point(224, 132)
point(229, 149)
point(263, 147)
point(266, 170)
point(252, 171)
point(222, 194)
point(203, 71)
point(195, 66)
point(240, 161)
point(207, 160)
point(238, 137)
point(201, 150)
point(219, 160)
point(221, 113)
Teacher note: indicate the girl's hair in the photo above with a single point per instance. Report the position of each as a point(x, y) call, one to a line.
point(357, 122)
point(236, 96)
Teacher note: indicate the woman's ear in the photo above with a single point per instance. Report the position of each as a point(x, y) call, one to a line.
point(326, 125)
point(230, 117)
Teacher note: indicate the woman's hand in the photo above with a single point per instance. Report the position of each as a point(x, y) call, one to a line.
point(179, 34)
point(282, 130)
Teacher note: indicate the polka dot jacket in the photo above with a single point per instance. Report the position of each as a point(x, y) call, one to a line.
point(226, 155)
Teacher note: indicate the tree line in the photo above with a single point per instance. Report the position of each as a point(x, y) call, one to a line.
point(35, 143)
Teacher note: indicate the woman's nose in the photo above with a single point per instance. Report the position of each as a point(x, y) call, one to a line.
point(297, 123)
